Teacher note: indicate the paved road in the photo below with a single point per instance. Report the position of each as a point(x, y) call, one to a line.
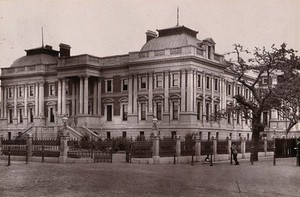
point(46, 179)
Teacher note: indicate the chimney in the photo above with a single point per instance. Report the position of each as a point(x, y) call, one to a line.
point(150, 35)
point(64, 50)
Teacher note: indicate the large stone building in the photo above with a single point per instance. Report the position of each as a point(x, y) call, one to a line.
point(175, 78)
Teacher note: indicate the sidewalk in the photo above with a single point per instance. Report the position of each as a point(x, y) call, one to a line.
point(122, 179)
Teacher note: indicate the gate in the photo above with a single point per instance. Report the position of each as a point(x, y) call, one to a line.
point(285, 148)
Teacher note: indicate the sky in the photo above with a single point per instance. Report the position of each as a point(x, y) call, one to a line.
point(115, 27)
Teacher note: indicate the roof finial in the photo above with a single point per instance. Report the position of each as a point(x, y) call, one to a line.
point(177, 16)
point(42, 37)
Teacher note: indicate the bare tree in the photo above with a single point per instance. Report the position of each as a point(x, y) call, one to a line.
point(249, 72)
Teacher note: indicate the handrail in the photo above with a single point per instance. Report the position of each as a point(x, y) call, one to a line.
point(21, 135)
point(91, 132)
point(74, 131)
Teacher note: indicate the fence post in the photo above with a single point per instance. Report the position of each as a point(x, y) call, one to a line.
point(1, 139)
point(8, 164)
point(215, 145)
point(265, 146)
point(30, 145)
point(229, 149)
point(198, 148)
point(243, 147)
point(274, 156)
point(178, 147)
point(156, 149)
point(63, 149)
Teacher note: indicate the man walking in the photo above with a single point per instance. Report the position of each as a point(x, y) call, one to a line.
point(234, 152)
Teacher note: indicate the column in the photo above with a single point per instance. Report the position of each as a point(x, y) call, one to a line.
point(63, 97)
point(204, 97)
point(73, 97)
point(25, 100)
point(15, 101)
point(41, 99)
point(2, 106)
point(195, 92)
point(81, 96)
point(213, 94)
point(243, 147)
point(166, 100)
point(190, 92)
point(183, 91)
point(150, 93)
point(178, 145)
point(156, 149)
point(95, 97)
point(130, 91)
point(215, 146)
point(198, 148)
point(77, 97)
point(36, 100)
point(4, 102)
point(229, 147)
point(99, 96)
point(59, 97)
point(86, 94)
point(135, 85)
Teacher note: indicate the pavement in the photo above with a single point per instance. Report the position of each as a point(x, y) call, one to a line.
point(123, 179)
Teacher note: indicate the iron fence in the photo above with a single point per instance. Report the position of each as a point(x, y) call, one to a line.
point(167, 147)
point(222, 147)
point(188, 147)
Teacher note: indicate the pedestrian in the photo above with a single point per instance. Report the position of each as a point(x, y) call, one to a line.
point(234, 152)
point(207, 158)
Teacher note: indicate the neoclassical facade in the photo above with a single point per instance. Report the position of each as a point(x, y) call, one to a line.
point(175, 78)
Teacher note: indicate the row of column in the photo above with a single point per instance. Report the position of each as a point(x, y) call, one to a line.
point(80, 102)
point(38, 98)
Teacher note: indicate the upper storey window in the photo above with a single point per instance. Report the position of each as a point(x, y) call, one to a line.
point(209, 52)
point(31, 90)
point(143, 82)
point(9, 92)
point(108, 85)
point(159, 81)
point(124, 84)
point(20, 92)
point(199, 80)
point(217, 84)
point(208, 83)
point(175, 79)
point(51, 89)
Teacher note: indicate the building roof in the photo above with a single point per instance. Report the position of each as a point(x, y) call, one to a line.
point(42, 55)
point(173, 37)
point(37, 59)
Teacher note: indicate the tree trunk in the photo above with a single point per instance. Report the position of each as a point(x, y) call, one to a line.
point(257, 127)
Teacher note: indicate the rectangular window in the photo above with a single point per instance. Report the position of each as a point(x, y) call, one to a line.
point(209, 52)
point(20, 90)
point(216, 84)
point(175, 111)
point(217, 135)
point(198, 110)
point(158, 111)
point(216, 109)
point(10, 115)
point(246, 94)
point(199, 80)
point(265, 81)
point(20, 116)
point(229, 90)
point(143, 82)
point(265, 118)
point(143, 111)
point(10, 92)
point(31, 90)
point(175, 79)
point(208, 136)
point(230, 135)
point(248, 136)
point(30, 114)
point(159, 81)
point(208, 83)
point(108, 137)
point(67, 88)
point(125, 84)
point(51, 89)
point(142, 134)
point(108, 112)
point(124, 134)
point(228, 117)
point(238, 90)
point(124, 112)
point(207, 112)
point(108, 85)
point(51, 115)
point(200, 134)
point(238, 117)
point(173, 134)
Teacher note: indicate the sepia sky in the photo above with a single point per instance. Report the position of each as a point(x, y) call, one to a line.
point(113, 27)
